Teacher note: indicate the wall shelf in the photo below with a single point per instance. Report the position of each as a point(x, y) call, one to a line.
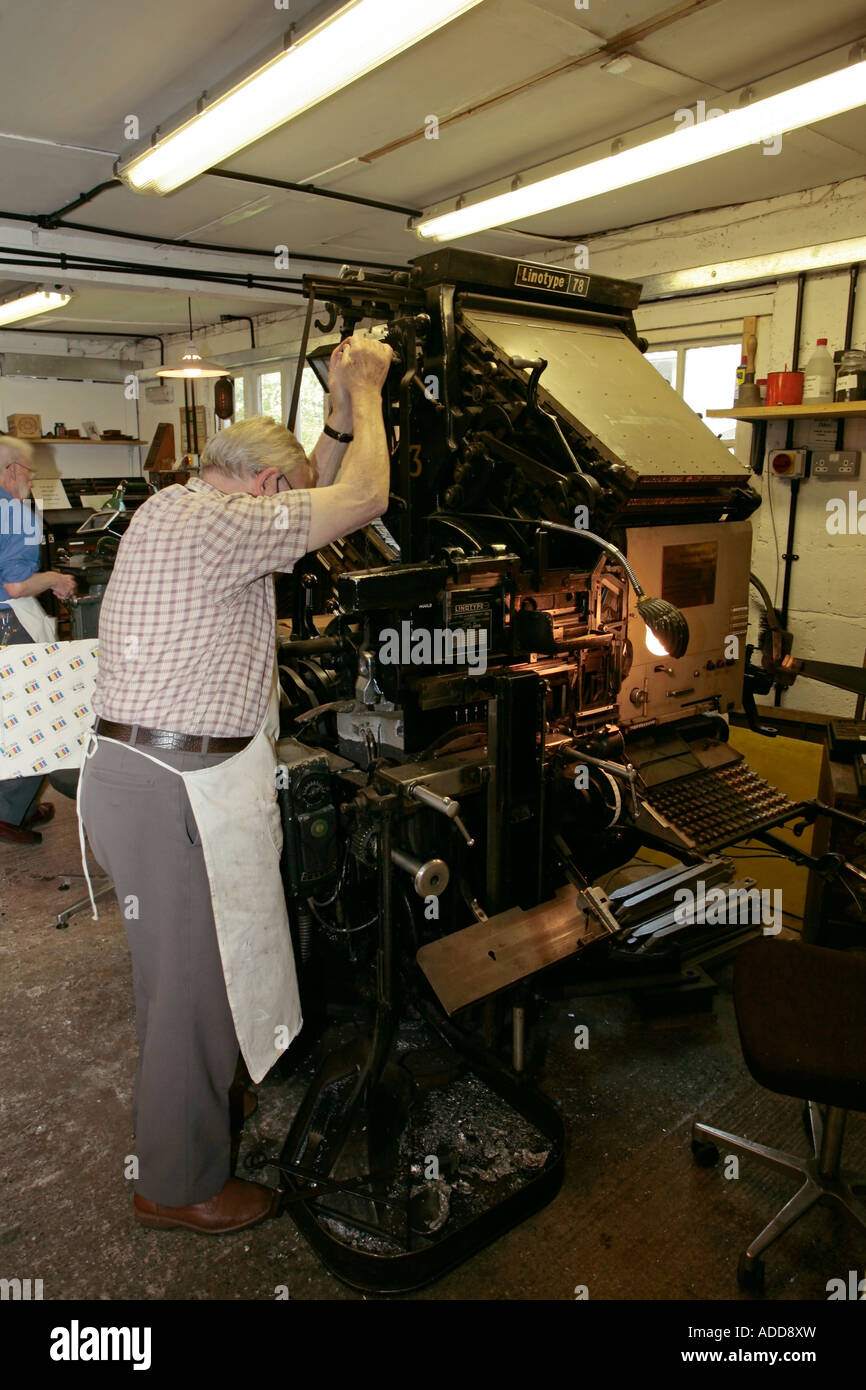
point(838, 409)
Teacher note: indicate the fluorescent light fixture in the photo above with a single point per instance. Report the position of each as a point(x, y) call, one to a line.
point(191, 365)
point(802, 260)
point(799, 106)
point(348, 45)
point(33, 300)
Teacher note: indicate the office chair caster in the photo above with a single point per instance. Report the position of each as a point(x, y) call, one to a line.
point(750, 1273)
point(706, 1155)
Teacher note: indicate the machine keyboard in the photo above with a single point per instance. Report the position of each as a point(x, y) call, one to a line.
point(720, 806)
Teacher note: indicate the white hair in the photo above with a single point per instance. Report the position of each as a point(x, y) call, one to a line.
point(251, 446)
point(12, 450)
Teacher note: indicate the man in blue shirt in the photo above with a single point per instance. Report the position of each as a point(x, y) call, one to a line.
point(21, 578)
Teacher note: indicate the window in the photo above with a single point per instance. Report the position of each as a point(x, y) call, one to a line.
point(709, 382)
point(666, 364)
point(705, 377)
point(270, 393)
point(311, 410)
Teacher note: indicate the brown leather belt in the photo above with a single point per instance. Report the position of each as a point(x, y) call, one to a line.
point(167, 739)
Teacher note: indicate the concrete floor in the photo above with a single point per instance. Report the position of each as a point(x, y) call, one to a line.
point(635, 1218)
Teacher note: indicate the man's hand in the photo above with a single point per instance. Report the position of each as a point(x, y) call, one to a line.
point(364, 365)
point(63, 585)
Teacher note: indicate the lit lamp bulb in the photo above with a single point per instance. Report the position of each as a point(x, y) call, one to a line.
point(667, 632)
point(662, 619)
point(191, 365)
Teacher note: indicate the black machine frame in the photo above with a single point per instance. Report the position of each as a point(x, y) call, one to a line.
point(423, 764)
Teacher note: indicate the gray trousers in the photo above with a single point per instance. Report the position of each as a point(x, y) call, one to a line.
point(17, 796)
point(142, 831)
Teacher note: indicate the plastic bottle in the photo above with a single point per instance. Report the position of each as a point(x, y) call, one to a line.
point(819, 381)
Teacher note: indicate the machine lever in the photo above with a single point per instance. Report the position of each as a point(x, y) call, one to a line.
point(625, 772)
point(470, 841)
point(445, 805)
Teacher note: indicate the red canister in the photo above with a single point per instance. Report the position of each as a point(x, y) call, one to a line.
point(784, 388)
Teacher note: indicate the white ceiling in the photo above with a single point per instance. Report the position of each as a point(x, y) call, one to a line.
point(516, 86)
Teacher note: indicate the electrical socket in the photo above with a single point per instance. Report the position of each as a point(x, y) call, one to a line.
point(836, 463)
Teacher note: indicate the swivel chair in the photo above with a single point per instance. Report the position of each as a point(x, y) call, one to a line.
point(801, 1014)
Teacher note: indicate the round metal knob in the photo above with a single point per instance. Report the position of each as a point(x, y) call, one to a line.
point(429, 878)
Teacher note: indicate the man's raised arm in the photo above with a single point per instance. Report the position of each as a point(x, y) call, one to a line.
point(361, 493)
point(328, 453)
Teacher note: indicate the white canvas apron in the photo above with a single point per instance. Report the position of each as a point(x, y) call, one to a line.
point(33, 618)
point(238, 818)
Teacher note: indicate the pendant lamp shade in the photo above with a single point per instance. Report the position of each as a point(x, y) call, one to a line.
point(190, 364)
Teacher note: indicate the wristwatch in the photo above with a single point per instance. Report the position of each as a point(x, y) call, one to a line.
point(340, 438)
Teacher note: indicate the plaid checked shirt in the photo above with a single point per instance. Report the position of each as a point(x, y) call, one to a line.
point(187, 624)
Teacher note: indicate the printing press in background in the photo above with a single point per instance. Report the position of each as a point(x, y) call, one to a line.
point(83, 542)
point(446, 827)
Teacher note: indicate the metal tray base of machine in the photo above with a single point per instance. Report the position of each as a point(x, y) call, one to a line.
point(373, 1222)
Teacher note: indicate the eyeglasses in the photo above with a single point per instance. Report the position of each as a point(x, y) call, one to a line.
point(280, 479)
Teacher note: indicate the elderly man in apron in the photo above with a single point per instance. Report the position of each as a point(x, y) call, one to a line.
point(178, 793)
point(22, 617)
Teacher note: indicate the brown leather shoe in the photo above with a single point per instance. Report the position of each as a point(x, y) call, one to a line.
point(19, 834)
point(41, 814)
point(238, 1205)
